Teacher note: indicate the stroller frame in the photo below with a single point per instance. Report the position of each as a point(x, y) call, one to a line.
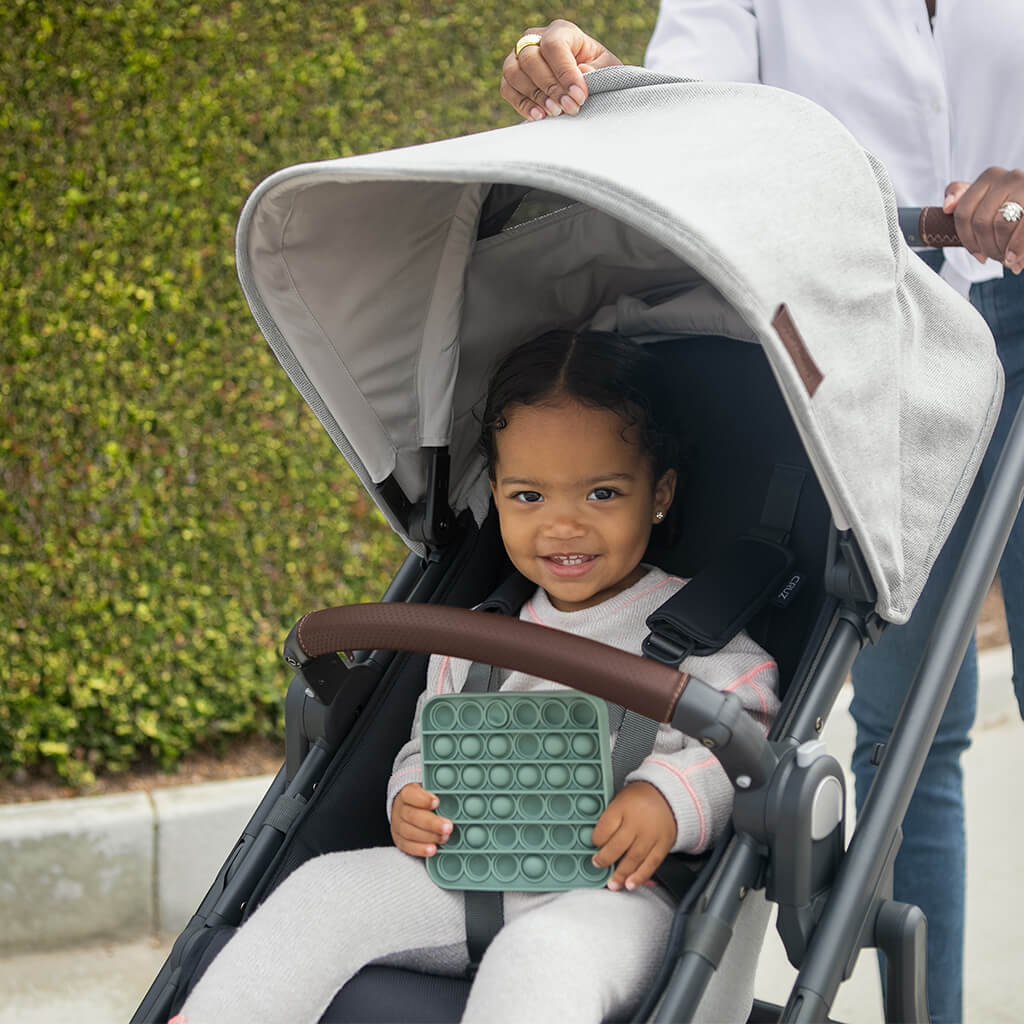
point(833, 901)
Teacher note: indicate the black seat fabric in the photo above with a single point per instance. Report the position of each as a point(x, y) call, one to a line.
point(739, 430)
point(395, 994)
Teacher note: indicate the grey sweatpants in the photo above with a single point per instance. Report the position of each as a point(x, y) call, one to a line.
point(578, 956)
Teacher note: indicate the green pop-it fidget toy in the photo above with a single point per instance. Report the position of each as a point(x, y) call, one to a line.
point(524, 778)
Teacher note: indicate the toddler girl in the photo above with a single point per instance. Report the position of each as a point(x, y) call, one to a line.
point(581, 451)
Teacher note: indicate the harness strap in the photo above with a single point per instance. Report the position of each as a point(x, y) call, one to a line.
point(727, 593)
point(480, 678)
point(485, 917)
point(779, 510)
point(485, 911)
point(634, 741)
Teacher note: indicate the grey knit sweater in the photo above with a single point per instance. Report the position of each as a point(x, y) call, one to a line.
point(685, 773)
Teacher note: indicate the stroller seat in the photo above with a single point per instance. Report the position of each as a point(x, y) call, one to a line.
point(728, 475)
point(811, 353)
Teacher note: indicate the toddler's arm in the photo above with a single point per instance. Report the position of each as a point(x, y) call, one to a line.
point(415, 827)
point(689, 777)
point(408, 766)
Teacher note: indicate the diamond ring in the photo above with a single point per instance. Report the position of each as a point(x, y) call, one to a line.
point(1011, 211)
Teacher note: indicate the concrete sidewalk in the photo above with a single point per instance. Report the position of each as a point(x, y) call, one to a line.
point(133, 868)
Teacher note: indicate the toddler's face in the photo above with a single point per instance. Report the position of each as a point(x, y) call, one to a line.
point(576, 500)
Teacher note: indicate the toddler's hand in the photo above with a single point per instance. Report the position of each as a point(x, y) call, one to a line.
point(415, 828)
point(637, 829)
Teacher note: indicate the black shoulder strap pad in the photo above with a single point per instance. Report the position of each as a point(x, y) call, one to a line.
point(726, 594)
point(510, 596)
point(508, 599)
point(719, 601)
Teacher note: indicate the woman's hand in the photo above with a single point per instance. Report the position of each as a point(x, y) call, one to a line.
point(547, 78)
point(984, 231)
point(636, 830)
point(415, 828)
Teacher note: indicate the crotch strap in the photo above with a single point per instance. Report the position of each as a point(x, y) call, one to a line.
point(485, 911)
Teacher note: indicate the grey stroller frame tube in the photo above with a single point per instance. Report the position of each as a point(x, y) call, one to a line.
point(711, 921)
point(853, 901)
point(708, 930)
point(818, 696)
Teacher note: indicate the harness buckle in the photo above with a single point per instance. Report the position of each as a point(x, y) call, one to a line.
point(660, 647)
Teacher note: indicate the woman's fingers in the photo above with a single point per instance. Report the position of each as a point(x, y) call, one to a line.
point(954, 191)
point(964, 217)
point(526, 95)
point(1014, 257)
point(545, 78)
point(984, 214)
point(990, 229)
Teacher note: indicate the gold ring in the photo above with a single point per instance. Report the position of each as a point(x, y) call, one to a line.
point(530, 39)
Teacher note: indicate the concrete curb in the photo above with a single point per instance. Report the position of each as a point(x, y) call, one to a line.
point(115, 866)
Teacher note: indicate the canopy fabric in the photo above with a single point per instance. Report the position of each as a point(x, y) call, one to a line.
point(691, 207)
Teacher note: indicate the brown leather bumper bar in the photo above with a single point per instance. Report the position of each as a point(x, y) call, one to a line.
point(646, 686)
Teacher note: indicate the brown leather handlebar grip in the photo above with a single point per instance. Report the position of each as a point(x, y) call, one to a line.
point(928, 226)
point(646, 686)
point(937, 229)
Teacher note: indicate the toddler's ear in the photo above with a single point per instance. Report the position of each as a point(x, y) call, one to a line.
point(665, 490)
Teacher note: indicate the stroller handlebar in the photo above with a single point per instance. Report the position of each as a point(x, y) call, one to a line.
point(928, 226)
point(648, 687)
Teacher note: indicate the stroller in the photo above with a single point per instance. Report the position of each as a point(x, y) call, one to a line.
point(389, 284)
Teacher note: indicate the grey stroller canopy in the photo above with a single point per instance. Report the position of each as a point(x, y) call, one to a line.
point(686, 208)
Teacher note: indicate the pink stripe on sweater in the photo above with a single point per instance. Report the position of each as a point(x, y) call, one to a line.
point(405, 771)
point(701, 823)
point(533, 615)
point(440, 676)
point(650, 590)
point(748, 677)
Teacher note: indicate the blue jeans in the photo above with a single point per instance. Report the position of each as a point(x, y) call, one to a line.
point(929, 868)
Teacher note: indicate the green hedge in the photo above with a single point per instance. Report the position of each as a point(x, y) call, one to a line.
point(168, 506)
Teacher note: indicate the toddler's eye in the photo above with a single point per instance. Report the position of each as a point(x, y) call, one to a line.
point(528, 497)
point(602, 494)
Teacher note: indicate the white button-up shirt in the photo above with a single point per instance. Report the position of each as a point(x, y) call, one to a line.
point(935, 103)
